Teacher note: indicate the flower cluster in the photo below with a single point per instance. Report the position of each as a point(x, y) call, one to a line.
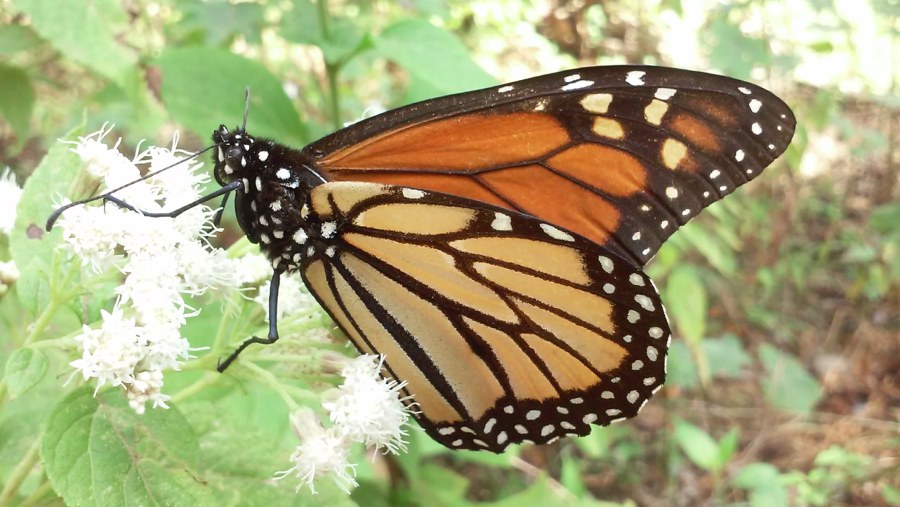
point(366, 409)
point(162, 260)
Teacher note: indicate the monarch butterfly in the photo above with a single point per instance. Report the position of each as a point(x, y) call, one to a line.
point(491, 243)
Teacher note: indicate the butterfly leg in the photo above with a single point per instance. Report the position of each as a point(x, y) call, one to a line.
point(227, 189)
point(273, 324)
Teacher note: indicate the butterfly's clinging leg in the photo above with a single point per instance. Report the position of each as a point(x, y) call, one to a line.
point(273, 324)
point(227, 189)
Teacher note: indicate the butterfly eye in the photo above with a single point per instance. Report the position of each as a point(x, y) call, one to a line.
point(233, 156)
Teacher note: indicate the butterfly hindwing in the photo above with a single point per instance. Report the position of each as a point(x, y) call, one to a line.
point(622, 155)
point(505, 328)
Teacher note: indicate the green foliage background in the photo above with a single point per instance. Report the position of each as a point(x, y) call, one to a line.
point(784, 384)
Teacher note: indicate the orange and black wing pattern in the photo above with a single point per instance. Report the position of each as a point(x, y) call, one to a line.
point(621, 155)
point(506, 328)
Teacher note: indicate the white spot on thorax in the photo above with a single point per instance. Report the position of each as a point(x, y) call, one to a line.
point(283, 174)
point(258, 184)
point(263, 156)
point(243, 162)
point(328, 229)
point(275, 205)
point(221, 155)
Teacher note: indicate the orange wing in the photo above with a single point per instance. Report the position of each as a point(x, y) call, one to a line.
point(621, 155)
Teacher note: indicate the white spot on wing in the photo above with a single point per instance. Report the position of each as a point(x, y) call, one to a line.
point(606, 263)
point(664, 93)
point(755, 105)
point(743, 90)
point(501, 222)
point(573, 77)
point(555, 233)
point(655, 332)
point(756, 128)
point(577, 85)
point(739, 155)
point(505, 89)
point(412, 193)
point(635, 77)
point(671, 192)
point(636, 279)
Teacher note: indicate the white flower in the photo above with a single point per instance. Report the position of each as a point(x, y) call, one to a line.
point(321, 452)
point(367, 407)
point(252, 269)
point(9, 273)
point(293, 297)
point(162, 260)
point(10, 193)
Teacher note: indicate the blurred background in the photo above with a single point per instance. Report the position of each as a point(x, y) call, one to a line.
point(784, 375)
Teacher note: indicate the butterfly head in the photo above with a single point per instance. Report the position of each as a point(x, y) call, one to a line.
point(232, 154)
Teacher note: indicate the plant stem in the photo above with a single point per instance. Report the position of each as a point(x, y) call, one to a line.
point(20, 473)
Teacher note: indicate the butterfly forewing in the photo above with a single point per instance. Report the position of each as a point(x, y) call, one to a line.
point(506, 328)
point(620, 155)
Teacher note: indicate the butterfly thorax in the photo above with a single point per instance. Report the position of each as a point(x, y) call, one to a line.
point(272, 203)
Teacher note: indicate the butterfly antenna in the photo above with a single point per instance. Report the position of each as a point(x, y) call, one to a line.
point(59, 211)
point(246, 108)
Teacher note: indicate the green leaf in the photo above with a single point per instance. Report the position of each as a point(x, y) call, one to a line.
point(570, 476)
point(698, 446)
point(344, 37)
point(788, 385)
point(203, 88)
point(83, 32)
point(432, 55)
point(33, 285)
point(726, 356)
point(764, 484)
point(682, 367)
point(56, 176)
point(686, 303)
point(24, 369)
point(221, 20)
point(98, 451)
point(17, 38)
point(890, 494)
point(16, 99)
